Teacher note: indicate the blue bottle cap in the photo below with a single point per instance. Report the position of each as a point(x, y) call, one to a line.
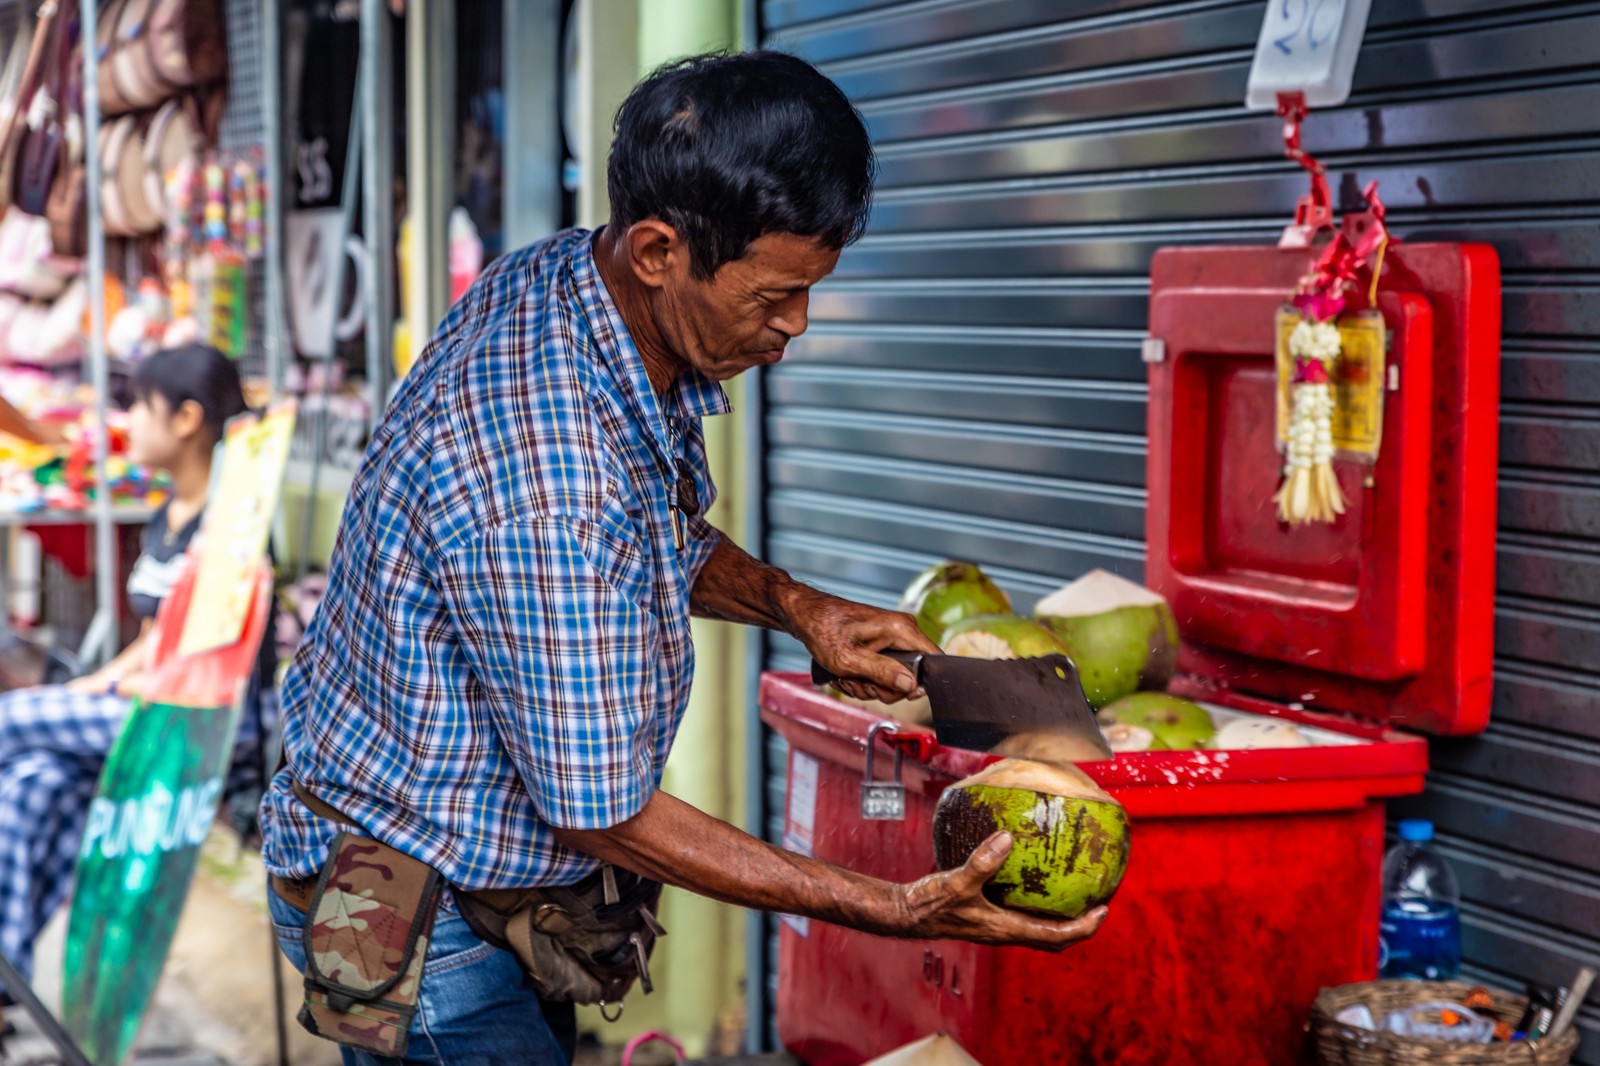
point(1416, 830)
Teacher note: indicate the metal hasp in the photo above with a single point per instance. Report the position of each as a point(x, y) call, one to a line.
point(882, 801)
point(1387, 613)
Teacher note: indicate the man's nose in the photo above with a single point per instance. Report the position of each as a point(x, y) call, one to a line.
point(790, 317)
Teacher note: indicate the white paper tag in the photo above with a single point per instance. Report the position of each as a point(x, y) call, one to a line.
point(1307, 46)
point(800, 823)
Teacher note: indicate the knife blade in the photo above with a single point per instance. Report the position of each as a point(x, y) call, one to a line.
point(979, 703)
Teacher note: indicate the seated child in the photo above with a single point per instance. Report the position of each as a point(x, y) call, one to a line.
point(54, 739)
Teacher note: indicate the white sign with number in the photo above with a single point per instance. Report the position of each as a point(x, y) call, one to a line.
point(1307, 46)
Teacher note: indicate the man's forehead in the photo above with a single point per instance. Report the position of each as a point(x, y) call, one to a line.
point(786, 261)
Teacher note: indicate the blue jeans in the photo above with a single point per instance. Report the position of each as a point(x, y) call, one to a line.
point(477, 1007)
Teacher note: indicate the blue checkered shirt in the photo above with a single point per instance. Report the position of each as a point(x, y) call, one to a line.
point(504, 643)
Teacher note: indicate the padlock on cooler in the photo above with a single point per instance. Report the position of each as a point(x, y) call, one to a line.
point(882, 801)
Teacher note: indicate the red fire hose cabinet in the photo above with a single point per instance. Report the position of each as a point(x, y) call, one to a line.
point(1254, 875)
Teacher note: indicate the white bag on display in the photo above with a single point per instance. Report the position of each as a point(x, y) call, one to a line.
point(312, 243)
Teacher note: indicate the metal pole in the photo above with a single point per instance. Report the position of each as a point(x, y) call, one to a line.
point(272, 119)
point(376, 81)
point(19, 989)
point(98, 642)
point(354, 161)
point(758, 927)
point(430, 173)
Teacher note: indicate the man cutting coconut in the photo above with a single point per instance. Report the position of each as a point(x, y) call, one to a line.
point(494, 679)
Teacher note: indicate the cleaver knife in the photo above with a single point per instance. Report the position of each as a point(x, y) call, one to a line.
point(978, 703)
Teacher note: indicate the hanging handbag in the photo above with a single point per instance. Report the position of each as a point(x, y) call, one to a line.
point(29, 265)
point(112, 102)
point(124, 191)
point(132, 64)
point(13, 117)
point(188, 42)
point(62, 337)
point(172, 139)
point(40, 154)
point(10, 307)
point(23, 337)
point(68, 206)
point(11, 76)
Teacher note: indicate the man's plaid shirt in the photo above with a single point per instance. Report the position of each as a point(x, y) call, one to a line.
point(504, 643)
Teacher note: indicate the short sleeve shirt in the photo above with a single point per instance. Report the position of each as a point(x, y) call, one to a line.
point(504, 644)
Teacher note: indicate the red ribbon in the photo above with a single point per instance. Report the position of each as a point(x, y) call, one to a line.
point(1311, 372)
point(1325, 288)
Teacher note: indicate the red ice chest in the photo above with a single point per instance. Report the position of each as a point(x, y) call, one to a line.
point(1254, 877)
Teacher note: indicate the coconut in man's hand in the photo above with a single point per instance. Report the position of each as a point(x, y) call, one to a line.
point(1069, 838)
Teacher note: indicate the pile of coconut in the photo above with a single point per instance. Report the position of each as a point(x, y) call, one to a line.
point(1122, 637)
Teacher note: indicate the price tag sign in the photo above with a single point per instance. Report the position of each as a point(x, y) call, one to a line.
point(1307, 46)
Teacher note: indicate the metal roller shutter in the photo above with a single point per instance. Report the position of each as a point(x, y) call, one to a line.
point(971, 385)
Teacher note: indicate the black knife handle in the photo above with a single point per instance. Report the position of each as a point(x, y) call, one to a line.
point(911, 660)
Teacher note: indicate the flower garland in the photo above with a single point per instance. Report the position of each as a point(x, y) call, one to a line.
point(1310, 491)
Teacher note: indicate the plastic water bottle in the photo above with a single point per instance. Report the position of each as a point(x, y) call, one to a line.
point(1421, 923)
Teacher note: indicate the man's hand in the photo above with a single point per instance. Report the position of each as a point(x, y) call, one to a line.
point(847, 637)
point(951, 905)
point(843, 636)
point(673, 842)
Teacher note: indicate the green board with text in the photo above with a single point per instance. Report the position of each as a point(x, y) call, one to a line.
point(163, 779)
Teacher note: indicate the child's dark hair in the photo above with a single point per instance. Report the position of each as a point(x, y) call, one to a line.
point(195, 372)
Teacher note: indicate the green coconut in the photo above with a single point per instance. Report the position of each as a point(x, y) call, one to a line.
point(945, 594)
point(1122, 636)
point(1001, 636)
point(1069, 839)
point(1178, 724)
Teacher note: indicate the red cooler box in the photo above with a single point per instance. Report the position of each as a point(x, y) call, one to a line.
point(1254, 875)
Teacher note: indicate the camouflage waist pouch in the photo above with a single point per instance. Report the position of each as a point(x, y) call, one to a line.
point(366, 938)
point(583, 943)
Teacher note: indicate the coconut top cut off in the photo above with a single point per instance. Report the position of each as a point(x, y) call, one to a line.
point(1057, 749)
point(1096, 592)
point(1046, 779)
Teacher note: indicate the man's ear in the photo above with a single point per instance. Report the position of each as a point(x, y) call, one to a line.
point(653, 251)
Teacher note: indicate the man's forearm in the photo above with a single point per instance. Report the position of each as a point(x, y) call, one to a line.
point(734, 586)
point(673, 842)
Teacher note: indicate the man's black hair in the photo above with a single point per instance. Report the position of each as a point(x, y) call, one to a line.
point(195, 372)
point(727, 148)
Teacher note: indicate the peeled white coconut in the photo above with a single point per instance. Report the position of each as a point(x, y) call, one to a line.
point(1130, 738)
point(1244, 734)
point(937, 1050)
point(912, 712)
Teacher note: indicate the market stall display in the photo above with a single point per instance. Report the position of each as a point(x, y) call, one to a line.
point(1304, 645)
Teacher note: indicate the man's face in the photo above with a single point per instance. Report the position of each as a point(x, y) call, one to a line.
point(748, 311)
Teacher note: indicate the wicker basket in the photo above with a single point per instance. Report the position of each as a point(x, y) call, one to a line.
point(1345, 1045)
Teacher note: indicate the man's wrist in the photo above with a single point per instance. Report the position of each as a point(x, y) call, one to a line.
point(902, 919)
point(789, 599)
